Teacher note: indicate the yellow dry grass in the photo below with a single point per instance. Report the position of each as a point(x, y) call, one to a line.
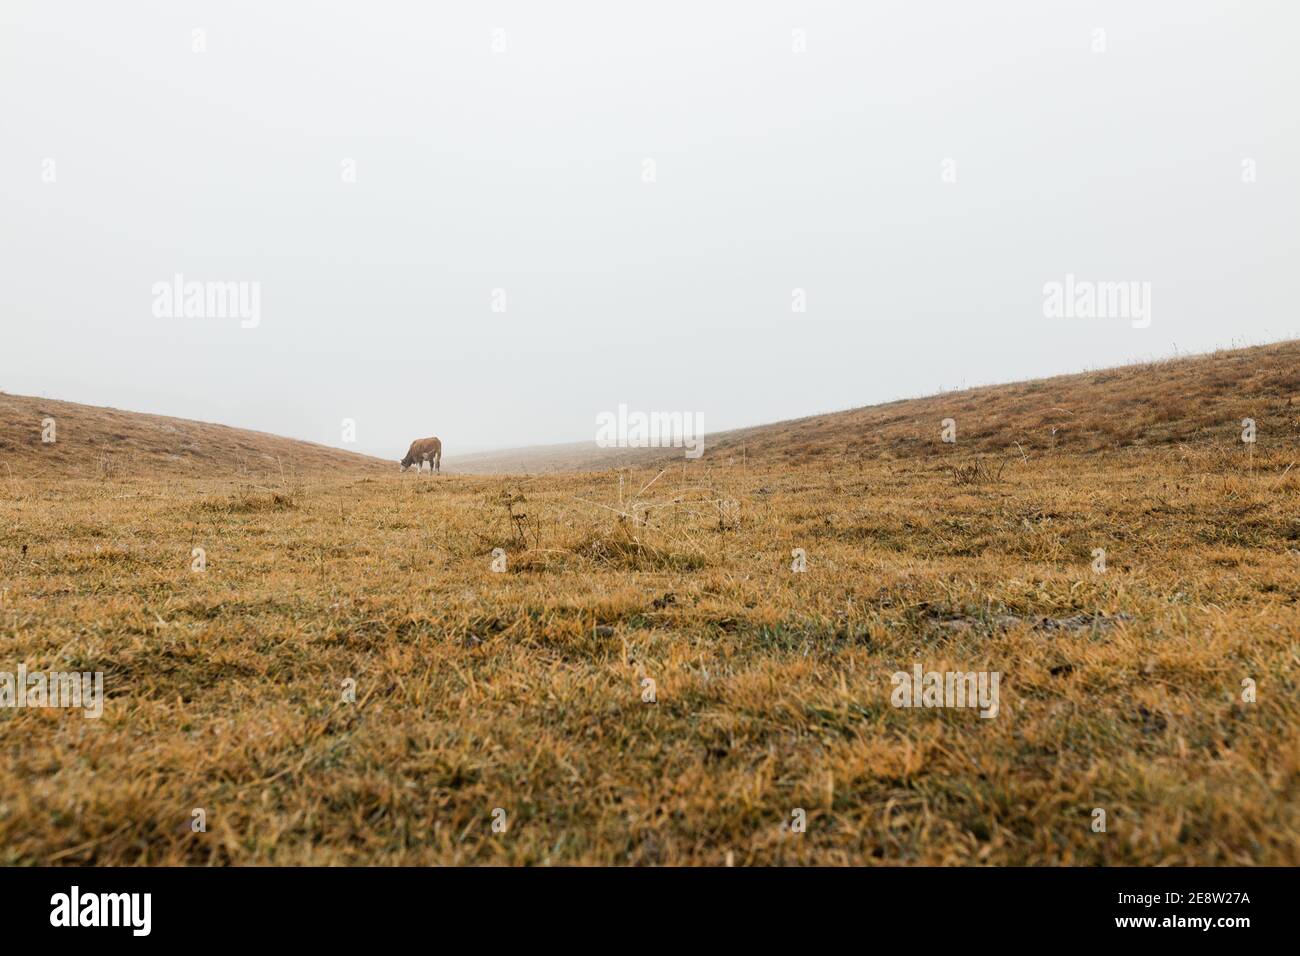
point(523, 690)
point(92, 442)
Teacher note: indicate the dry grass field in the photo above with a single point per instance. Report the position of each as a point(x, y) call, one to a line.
point(524, 690)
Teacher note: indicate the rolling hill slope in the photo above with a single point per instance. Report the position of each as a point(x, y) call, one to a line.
point(1196, 399)
point(1193, 400)
point(92, 441)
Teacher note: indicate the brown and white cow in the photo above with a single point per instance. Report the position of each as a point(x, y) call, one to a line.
point(422, 450)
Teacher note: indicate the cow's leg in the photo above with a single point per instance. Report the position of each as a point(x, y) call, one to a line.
point(437, 460)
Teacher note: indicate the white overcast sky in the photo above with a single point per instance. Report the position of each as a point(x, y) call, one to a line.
point(523, 170)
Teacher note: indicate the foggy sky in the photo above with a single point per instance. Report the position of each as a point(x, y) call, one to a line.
point(523, 169)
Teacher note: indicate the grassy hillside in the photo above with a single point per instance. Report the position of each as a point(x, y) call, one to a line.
point(104, 442)
point(527, 690)
point(1194, 400)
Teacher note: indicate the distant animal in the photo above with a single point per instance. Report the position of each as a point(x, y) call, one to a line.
point(422, 450)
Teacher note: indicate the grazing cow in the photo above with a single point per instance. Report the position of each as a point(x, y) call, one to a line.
point(422, 450)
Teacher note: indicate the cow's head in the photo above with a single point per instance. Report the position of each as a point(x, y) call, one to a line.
point(405, 463)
